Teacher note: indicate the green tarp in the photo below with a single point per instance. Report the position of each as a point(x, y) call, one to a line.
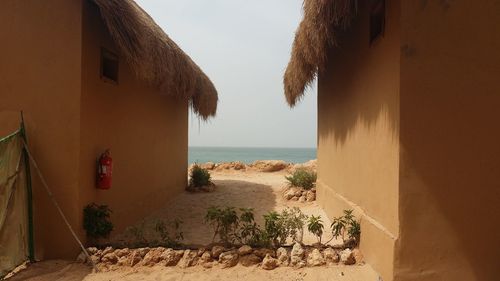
point(14, 222)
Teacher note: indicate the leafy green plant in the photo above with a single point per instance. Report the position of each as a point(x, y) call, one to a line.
point(96, 221)
point(302, 178)
point(138, 237)
point(315, 226)
point(164, 230)
point(293, 221)
point(353, 227)
point(249, 231)
point(338, 227)
point(278, 226)
point(199, 177)
point(274, 228)
point(224, 222)
point(347, 223)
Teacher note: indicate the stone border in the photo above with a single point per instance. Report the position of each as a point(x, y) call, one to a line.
point(302, 195)
point(298, 256)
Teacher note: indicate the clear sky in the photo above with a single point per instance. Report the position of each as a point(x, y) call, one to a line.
point(244, 47)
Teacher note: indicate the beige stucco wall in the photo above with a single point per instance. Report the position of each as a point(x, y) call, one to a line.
point(358, 134)
point(40, 62)
point(145, 130)
point(50, 69)
point(449, 176)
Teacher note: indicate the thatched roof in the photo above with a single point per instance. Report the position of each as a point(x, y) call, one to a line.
point(315, 34)
point(155, 58)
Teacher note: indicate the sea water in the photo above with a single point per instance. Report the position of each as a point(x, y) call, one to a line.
point(249, 154)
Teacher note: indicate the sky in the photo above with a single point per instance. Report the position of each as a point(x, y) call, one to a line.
point(244, 47)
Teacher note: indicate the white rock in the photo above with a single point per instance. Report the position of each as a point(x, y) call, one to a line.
point(315, 258)
point(310, 196)
point(346, 257)
point(244, 250)
point(250, 260)
point(216, 251)
point(269, 263)
point(331, 256)
point(153, 257)
point(228, 259)
point(282, 256)
point(189, 258)
point(171, 257)
point(297, 255)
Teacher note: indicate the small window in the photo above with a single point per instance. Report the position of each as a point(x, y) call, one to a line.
point(109, 66)
point(377, 19)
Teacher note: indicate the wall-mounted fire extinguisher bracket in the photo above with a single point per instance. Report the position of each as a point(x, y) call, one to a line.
point(104, 170)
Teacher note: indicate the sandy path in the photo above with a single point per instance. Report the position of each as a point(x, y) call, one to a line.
point(260, 191)
point(65, 271)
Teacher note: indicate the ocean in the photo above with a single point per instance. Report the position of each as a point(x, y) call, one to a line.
point(249, 154)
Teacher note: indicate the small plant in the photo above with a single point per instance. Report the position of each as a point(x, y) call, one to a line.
point(96, 221)
point(163, 229)
point(274, 228)
point(278, 227)
point(293, 223)
point(353, 227)
point(303, 178)
point(199, 177)
point(315, 226)
point(249, 232)
point(338, 227)
point(346, 223)
point(224, 221)
point(138, 237)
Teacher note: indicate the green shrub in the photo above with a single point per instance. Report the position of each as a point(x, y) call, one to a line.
point(199, 177)
point(293, 221)
point(278, 227)
point(315, 226)
point(169, 233)
point(338, 227)
point(138, 237)
point(347, 223)
point(302, 178)
point(224, 222)
point(96, 221)
point(274, 228)
point(249, 232)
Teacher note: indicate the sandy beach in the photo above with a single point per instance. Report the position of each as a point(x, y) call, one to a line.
point(249, 189)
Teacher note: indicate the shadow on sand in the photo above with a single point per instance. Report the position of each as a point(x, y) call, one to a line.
point(191, 208)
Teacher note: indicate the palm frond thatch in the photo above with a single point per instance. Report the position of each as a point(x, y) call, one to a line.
point(155, 58)
point(315, 34)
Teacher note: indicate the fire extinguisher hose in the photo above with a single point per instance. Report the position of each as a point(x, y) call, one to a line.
point(52, 198)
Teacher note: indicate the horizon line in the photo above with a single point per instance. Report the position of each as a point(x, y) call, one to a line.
point(211, 146)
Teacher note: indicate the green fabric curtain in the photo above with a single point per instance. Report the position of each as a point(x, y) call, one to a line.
point(14, 218)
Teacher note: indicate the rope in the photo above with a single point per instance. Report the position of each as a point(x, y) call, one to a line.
point(51, 196)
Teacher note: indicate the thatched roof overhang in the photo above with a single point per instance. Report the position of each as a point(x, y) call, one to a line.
point(155, 58)
point(315, 34)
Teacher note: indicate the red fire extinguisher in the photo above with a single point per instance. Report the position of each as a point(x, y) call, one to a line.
point(104, 171)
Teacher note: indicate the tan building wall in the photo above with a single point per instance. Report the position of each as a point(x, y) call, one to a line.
point(145, 130)
point(40, 71)
point(450, 141)
point(50, 68)
point(408, 136)
point(358, 134)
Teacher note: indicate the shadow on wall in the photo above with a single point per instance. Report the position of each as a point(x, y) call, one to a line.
point(359, 88)
point(191, 207)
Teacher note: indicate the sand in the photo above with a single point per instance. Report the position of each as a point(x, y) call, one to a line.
point(261, 191)
point(68, 271)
